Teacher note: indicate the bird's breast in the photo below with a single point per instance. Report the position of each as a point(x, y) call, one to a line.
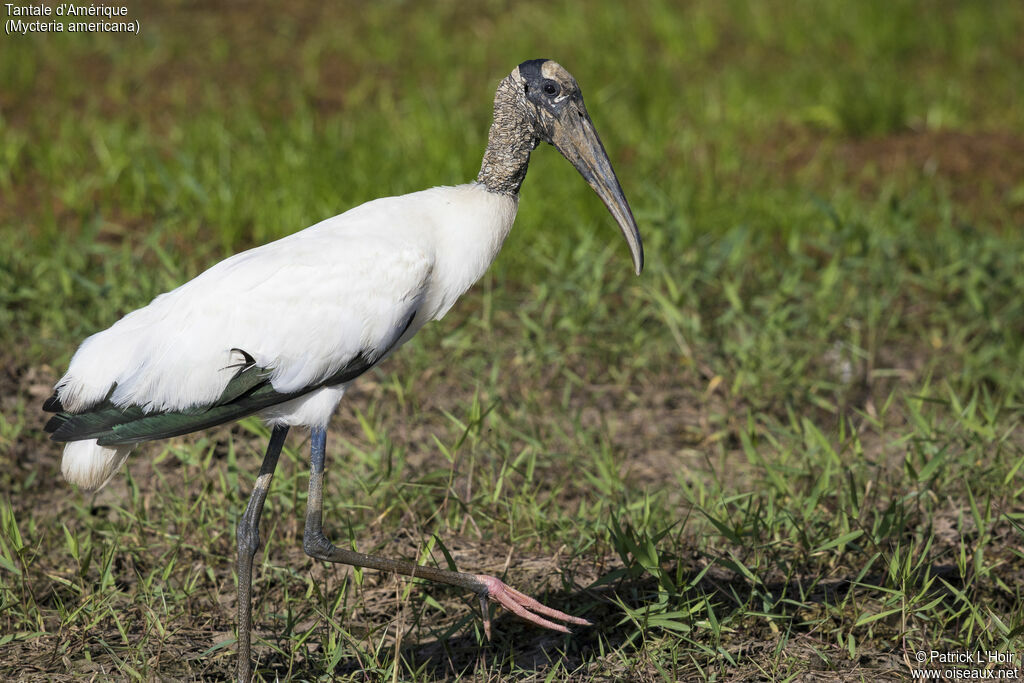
point(470, 228)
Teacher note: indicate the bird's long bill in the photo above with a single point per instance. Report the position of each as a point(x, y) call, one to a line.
point(576, 138)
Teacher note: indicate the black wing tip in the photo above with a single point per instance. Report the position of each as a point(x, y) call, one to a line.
point(54, 424)
point(53, 404)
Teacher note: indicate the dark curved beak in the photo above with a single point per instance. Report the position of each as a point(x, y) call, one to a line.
point(573, 134)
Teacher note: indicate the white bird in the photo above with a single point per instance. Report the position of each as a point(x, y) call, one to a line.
point(281, 330)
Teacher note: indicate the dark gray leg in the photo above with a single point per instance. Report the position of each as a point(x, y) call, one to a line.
point(248, 544)
point(487, 588)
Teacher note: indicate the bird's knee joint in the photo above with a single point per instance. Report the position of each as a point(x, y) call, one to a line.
point(317, 546)
point(248, 539)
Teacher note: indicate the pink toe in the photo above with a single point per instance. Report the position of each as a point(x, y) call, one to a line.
point(526, 607)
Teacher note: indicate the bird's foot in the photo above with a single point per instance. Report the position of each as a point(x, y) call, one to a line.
point(521, 605)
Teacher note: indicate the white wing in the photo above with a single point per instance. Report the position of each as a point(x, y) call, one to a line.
point(304, 306)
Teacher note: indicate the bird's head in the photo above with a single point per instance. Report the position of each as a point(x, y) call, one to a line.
point(553, 105)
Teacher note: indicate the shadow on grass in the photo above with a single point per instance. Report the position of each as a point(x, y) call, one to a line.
point(521, 651)
point(517, 649)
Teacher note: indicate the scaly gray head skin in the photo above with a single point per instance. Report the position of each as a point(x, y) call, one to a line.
point(540, 101)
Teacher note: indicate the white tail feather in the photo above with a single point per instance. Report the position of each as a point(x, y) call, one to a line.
point(89, 465)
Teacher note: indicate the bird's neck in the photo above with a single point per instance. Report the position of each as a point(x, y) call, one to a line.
point(509, 143)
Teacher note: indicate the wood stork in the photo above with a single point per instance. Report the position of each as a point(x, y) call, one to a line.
point(281, 330)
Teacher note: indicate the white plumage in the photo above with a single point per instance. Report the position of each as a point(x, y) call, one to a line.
point(303, 306)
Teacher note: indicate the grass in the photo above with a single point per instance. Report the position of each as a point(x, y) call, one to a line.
point(790, 450)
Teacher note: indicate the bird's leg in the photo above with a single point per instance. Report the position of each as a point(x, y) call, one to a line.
point(488, 588)
point(248, 543)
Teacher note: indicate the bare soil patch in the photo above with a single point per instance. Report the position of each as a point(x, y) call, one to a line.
point(982, 171)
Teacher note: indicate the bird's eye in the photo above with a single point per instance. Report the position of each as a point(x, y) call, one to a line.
point(550, 88)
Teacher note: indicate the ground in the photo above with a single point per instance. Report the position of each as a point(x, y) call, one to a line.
point(790, 450)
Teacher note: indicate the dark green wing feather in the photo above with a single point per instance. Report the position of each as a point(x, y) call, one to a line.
point(248, 392)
